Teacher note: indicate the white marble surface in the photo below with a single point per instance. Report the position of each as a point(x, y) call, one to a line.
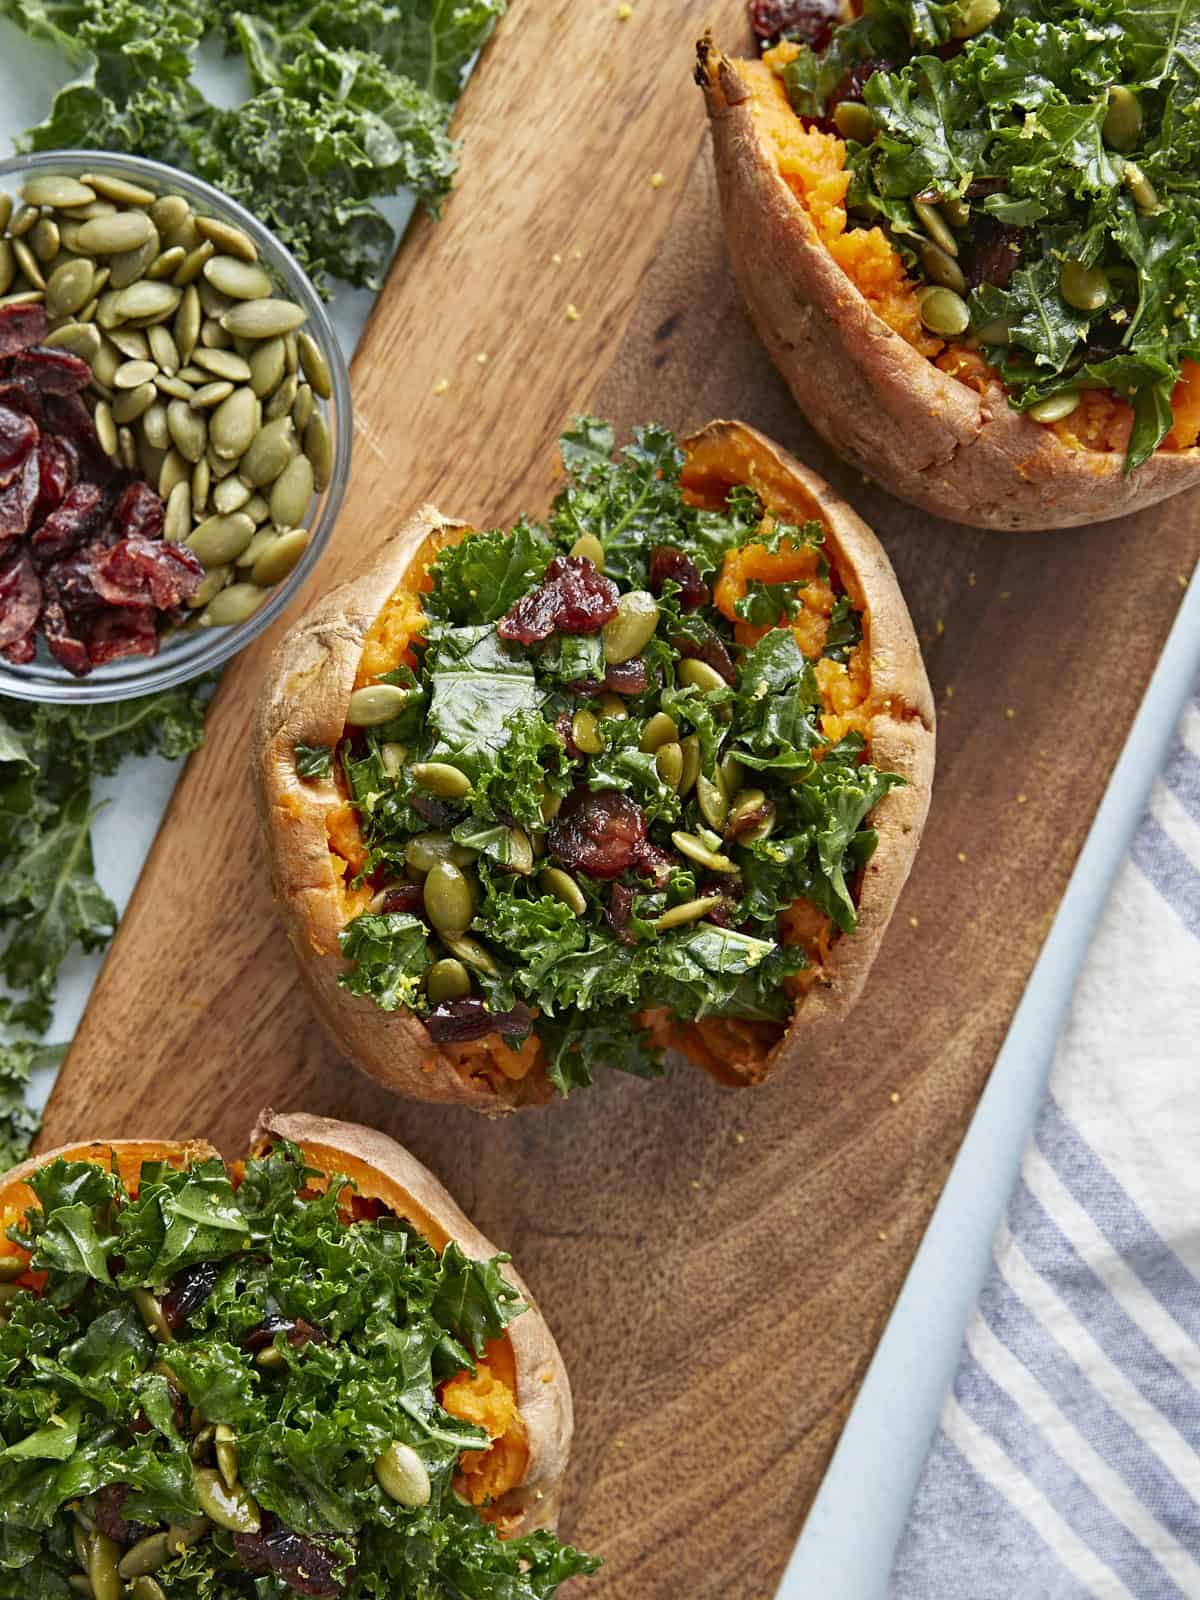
point(845, 1551)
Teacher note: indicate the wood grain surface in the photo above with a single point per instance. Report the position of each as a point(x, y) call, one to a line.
point(718, 1265)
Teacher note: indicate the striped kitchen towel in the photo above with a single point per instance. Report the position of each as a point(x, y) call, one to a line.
point(1067, 1462)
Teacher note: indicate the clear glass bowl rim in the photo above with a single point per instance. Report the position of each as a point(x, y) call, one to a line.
point(195, 654)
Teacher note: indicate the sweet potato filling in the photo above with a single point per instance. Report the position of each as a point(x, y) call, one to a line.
point(488, 1400)
point(812, 163)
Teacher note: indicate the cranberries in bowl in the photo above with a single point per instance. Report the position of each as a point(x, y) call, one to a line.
point(174, 427)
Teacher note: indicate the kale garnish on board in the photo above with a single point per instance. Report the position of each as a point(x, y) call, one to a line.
point(1016, 120)
point(511, 674)
point(362, 1322)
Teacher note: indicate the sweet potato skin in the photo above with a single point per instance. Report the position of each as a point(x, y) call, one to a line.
point(304, 702)
point(384, 1170)
point(915, 430)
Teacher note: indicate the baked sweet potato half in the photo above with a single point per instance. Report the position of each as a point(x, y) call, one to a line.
point(307, 1367)
point(985, 320)
point(650, 775)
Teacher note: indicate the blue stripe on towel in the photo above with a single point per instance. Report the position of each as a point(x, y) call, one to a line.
point(965, 1541)
point(1124, 1226)
point(998, 1414)
point(1170, 871)
point(1084, 1405)
point(1182, 777)
point(1052, 1254)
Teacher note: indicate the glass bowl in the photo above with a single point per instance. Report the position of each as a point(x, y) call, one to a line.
point(188, 652)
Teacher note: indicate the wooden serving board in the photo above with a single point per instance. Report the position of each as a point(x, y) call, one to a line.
point(718, 1264)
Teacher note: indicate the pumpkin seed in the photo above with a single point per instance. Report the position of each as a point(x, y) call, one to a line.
point(305, 405)
point(228, 238)
point(587, 545)
point(1123, 119)
point(178, 517)
point(79, 1543)
point(226, 1454)
point(229, 1508)
point(425, 850)
point(239, 280)
point(689, 911)
point(944, 312)
point(941, 268)
point(11, 1267)
point(114, 235)
point(935, 225)
point(45, 240)
point(853, 120)
point(292, 493)
point(82, 339)
point(28, 297)
point(262, 319)
point(269, 453)
point(956, 211)
point(174, 470)
point(275, 563)
point(281, 402)
point(134, 374)
point(713, 802)
point(192, 265)
point(585, 731)
point(187, 323)
point(691, 763)
point(233, 605)
point(147, 1588)
point(699, 675)
point(147, 299)
point(102, 1573)
point(6, 210)
point(185, 236)
point(69, 288)
point(696, 850)
point(213, 582)
point(472, 954)
point(107, 313)
point(376, 703)
point(210, 395)
point(221, 539)
point(1085, 288)
point(131, 265)
point(188, 430)
point(268, 362)
point(131, 342)
point(182, 1536)
point(1055, 406)
point(520, 852)
point(291, 352)
point(23, 221)
point(54, 189)
point(563, 887)
point(151, 1313)
point(447, 979)
point(995, 332)
point(8, 265)
point(661, 729)
point(167, 264)
point(973, 17)
point(1145, 196)
point(449, 903)
point(230, 495)
point(632, 628)
point(169, 212)
point(28, 263)
point(226, 364)
point(440, 778)
point(315, 367)
point(668, 763)
point(129, 404)
point(403, 1476)
point(201, 481)
point(257, 508)
point(147, 1555)
point(318, 447)
point(106, 428)
point(177, 388)
point(262, 540)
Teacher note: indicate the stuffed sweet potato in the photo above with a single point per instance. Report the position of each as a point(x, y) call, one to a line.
point(945, 228)
point(650, 775)
point(306, 1371)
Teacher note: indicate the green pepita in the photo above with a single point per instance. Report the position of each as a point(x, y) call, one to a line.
point(691, 763)
point(403, 1476)
point(303, 407)
point(221, 539)
point(292, 493)
point(588, 546)
point(1123, 119)
point(69, 288)
point(1145, 196)
point(1084, 288)
point(229, 1508)
point(201, 482)
point(45, 240)
point(447, 979)
point(442, 779)
point(268, 363)
point(131, 265)
point(280, 558)
point(8, 266)
point(262, 319)
point(699, 675)
point(585, 731)
point(269, 453)
point(188, 430)
point(233, 605)
point(689, 911)
point(55, 189)
point(315, 367)
point(425, 850)
point(102, 1573)
point(973, 17)
point(146, 1588)
point(936, 226)
point(178, 516)
point(1055, 406)
point(941, 268)
point(696, 850)
point(563, 887)
point(668, 763)
point(713, 802)
point(133, 374)
point(106, 428)
point(129, 404)
point(853, 120)
point(82, 339)
point(472, 954)
point(228, 238)
point(661, 729)
point(944, 312)
point(449, 903)
point(114, 235)
point(376, 703)
point(213, 582)
point(147, 299)
point(23, 220)
point(147, 1555)
point(318, 447)
point(29, 264)
point(632, 628)
point(281, 402)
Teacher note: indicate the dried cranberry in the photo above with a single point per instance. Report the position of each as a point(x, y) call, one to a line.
point(147, 572)
point(305, 1565)
point(626, 677)
point(58, 468)
point(67, 415)
point(574, 597)
point(298, 1333)
point(21, 651)
point(109, 1503)
point(122, 631)
point(711, 650)
point(21, 327)
point(54, 371)
point(652, 861)
point(21, 394)
point(405, 897)
point(20, 596)
point(434, 811)
point(68, 650)
point(139, 512)
point(69, 580)
point(668, 563)
point(74, 522)
point(727, 887)
point(811, 22)
point(562, 727)
point(598, 834)
point(18, 436)
point(455, 1021)
point(990, 252)
point(188, 1292)
point(620, 904)
point(19, 496)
